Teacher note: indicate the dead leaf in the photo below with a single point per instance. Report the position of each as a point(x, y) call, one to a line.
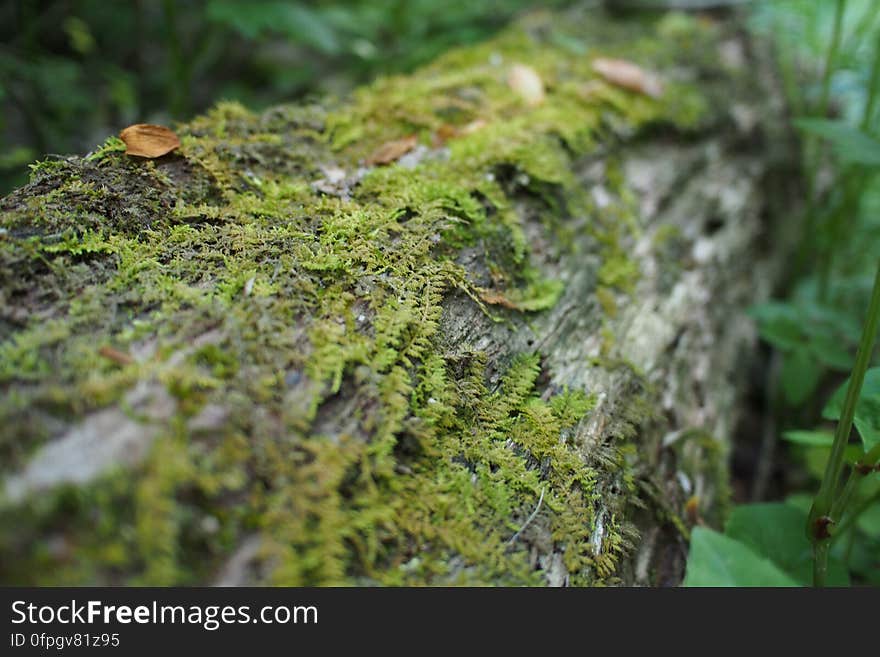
point(392, 150)
point(147, 140)
point(497, 299)
point(526, 82)
point(473, 126)
point(115, 355)
point(447, 131)
point(692, 509)
point(629, 76)
point(443, 134)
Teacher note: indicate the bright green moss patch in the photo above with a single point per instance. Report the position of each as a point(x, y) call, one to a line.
point(289, 301)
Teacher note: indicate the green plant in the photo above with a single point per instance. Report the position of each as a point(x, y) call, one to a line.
point(820, 322)
point(831, 502)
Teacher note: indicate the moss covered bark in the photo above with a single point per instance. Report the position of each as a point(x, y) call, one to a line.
point(259, 359)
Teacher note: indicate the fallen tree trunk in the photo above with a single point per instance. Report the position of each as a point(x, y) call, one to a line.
point(482, 324)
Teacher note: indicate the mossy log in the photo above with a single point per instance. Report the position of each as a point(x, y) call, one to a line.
point(449, 330)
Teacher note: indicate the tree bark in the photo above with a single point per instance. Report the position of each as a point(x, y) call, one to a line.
point(511, 350)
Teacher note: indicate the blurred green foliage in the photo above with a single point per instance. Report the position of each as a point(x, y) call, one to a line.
point(74, 71)
point(802, 31)
point(829, 60)
point(817, 325)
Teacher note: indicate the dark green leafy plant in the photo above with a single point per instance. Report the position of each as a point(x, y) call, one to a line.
point(821, 328)
point(832, 501)
point(762, 545)
point(811, 338)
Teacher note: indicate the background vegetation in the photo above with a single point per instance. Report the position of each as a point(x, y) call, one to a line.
point(826, 528)
point(74, 71)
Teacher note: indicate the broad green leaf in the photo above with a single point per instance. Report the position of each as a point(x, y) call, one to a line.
point(811, 438)
point(816, 458)
point(867, 419)
point(778, 324)
point(776, 532)
point(832, 351)
point(249, 20)
point(863, 559)
point(808, 326)
point(830, 318)
point(853, 453)
point(254, 18)
point(718, 560)
point(799, 376)
point(308, 26)
point(849, 143)
point(801, 501)
point(869, 520)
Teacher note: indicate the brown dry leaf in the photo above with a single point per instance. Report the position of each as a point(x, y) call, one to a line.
point(526, 82)
point(392, 150)
point(147, 140)
point(692, 509)
point(115, 355)
point(629, 76)
point(447, 131)
point(497, 299)
point(444, 133)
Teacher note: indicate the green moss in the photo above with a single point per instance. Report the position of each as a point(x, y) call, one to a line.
point(353, 440)
point(112, 144)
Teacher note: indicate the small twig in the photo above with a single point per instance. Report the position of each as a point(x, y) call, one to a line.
point(528, 520)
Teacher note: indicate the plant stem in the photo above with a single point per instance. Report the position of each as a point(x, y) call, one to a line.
point(854, 185)
point(837, 226)
point(873, 91)
point(831, 57)
point(826, 262)
point(820, 563)
point(825, 254)
point(846, 493)
point(854, 181)
point(788, 70)
point(853, 516)
point(859, 472)
point(820, 513)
